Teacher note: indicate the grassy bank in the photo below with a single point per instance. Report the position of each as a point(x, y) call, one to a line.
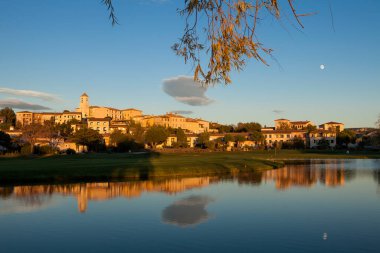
point(102, 167)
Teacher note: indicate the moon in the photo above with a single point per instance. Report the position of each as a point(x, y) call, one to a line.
point(322, 67)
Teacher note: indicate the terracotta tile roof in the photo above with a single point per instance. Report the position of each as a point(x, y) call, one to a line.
point(191, 135)
point(71, 113)
point(98, 119)
point(282, 131)
point(131, 109)
point(48, 113)
point(268, 128)
point(173, 115)
point(106, 107)
point(119, 121)
point(300, 122)
point(111, 108)
point(332, 122)
point(321, 131)
point(281, 119)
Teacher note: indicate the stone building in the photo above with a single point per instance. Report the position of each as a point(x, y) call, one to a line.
point(332, 126)
point(286, 130)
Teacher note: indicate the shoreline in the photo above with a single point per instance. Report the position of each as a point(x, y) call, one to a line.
point(113, 167)
point(143, 166)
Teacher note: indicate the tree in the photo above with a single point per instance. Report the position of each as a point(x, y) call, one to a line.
point(298, 143)
point(156, 135)
point(51, 131)
point(295, 143)
point(30, 134)
point(10, 117)
point(181, 138)
point(258, 137)
point(5, 140)
point(137, 132)
point(222, 128)
point(123, 142)
point(239, 138)
point(88, 137)
point(203, 140)
point(310, 128)
point(248, 127)
point(65, 129)
point(277, 145)
point(228, 138)
point(345, 137)
point(117, 137)
point(228, 35)
point(323, 144)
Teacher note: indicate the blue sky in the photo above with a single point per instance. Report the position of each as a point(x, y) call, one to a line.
point(66, 47)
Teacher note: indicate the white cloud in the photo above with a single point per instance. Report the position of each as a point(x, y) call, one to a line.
point(30, 93)
point(18, 104)
point(185, 90)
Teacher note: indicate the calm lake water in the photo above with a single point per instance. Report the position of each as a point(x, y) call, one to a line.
point(323, 206)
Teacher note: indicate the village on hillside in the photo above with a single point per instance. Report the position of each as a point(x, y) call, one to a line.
point(130, 130)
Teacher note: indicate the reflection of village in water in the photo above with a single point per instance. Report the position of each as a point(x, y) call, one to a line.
point(330, 174)
point(307, 175)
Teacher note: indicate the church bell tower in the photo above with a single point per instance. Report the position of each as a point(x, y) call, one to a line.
point(84, 106)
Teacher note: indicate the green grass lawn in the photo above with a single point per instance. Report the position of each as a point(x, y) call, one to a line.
point(93, 167)
point(102, 167)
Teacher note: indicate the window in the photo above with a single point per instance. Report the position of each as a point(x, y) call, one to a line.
point(332, 141)
point(282, 136)
point(288, 135)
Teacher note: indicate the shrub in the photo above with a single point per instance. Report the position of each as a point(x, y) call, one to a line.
point(25, 150)
point(44, 150)
point(70, 151)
